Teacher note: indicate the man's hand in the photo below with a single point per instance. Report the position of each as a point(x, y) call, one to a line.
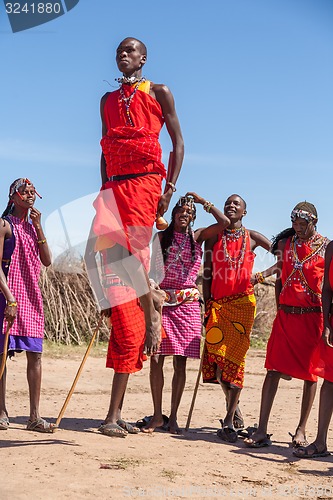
point(10, 314)
point(106, 312)
point(152, 344)
point(327, 336)
point(164, 202)
point(196, 197)
point(35, 217)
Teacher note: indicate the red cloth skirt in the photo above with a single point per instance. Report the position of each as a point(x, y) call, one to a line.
point(125, 214)
point(291, 348)
point(127, 336)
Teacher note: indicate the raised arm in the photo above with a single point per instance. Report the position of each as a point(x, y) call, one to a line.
point(205, 233)
point(259, 240)
point(43, 247)
point(208, 268)
point(165, 98)
point(327, 297)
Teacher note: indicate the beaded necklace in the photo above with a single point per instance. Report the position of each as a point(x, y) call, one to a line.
point(130, 80)
point(237, 261)
point(234, 234)
point(178, 253)
point(316, 240)
point(128, 100)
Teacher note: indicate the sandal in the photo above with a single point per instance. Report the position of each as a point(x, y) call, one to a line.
point(131, 429)
point(261, 443)
point(41, 425)
point(143, 422)
point(112, 430)
point(296, 443)
point(310, 451)
point(227, 434)
point(247, 433)
point(4, 423)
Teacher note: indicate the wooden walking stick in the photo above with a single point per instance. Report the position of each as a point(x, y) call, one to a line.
point(4, 354)
point(195, 389)
point(64, 406)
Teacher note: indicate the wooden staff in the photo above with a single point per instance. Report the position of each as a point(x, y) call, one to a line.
point(195, 389)
point(64, 406)
point(4, 354)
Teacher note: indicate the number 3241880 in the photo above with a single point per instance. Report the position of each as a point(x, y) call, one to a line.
point(33, 8)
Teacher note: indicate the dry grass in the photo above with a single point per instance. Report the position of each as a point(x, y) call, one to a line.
point(69, 307)
point(71, 314)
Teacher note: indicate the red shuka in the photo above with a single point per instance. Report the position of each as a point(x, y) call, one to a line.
point(126, 209)
point(294, 338)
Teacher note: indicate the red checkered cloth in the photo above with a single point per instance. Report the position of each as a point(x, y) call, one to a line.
point(127, 336)
point(23, 279)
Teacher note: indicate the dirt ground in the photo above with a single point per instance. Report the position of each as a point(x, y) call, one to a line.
point(78, 462)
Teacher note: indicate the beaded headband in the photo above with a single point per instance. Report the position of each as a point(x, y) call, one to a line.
point(19, 183)
point(303, 214)
point(188, 201)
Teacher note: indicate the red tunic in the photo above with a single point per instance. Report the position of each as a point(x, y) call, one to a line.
point(232, 310)
point(126, 209)
point(229, 279)
point(294, 338)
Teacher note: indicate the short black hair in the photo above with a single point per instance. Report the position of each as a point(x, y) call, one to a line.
point(238, 196)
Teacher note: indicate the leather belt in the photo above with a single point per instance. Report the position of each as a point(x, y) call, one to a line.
point(130, 176)
point(300, 310)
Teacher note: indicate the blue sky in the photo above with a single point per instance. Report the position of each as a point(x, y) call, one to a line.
point(252, 81)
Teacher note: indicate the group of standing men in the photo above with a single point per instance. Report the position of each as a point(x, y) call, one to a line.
point(163, 318)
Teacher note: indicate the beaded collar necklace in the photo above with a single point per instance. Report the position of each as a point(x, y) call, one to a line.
point(128, 100)
point(237, 261)
point(130, 80)
point(234, 234)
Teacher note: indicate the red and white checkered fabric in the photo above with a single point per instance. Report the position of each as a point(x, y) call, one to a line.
point(23, 279)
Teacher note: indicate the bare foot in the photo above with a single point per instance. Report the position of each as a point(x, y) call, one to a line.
point(155, 423)
point(173, 427)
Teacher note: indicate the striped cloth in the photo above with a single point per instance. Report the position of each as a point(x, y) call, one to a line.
point(182, 323)
point(23, 281)
point(127, 335)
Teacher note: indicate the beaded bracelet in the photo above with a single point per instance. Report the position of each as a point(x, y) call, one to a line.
point(11, 304)
point(259, 278)
point(207, 206)
point(172, 185)
point(41, 242)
